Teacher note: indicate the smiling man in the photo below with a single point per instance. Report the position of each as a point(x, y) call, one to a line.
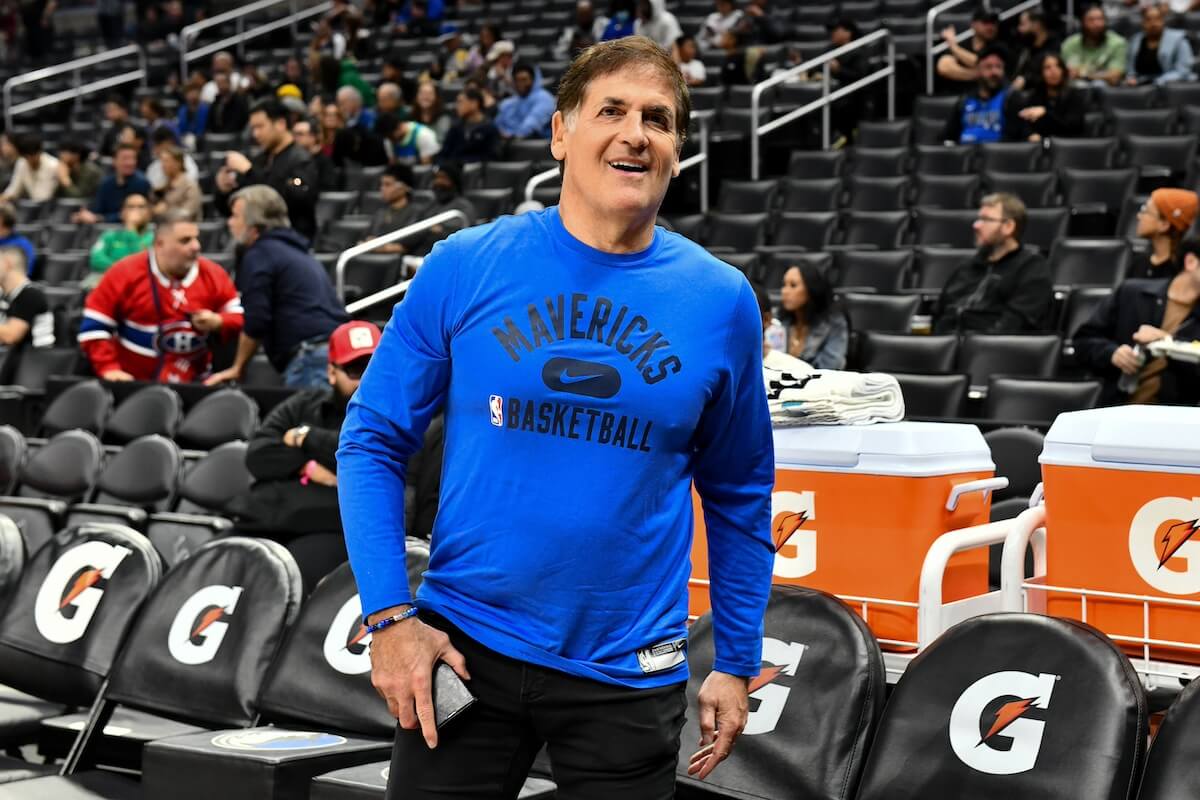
point(591, 366)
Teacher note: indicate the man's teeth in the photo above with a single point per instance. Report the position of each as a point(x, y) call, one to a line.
point(627, 166)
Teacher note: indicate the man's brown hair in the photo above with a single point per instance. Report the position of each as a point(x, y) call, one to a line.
point(1011, 207)
point(609, 57)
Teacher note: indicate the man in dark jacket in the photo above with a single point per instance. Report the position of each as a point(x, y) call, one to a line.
point(1141, 312)
point(473, 137)
point(283, 165)
point(289, 302)
point(1005, 288)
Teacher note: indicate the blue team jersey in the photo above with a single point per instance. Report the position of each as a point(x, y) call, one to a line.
point(584, 392)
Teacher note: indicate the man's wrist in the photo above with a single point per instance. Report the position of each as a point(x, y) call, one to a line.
point(388, 612)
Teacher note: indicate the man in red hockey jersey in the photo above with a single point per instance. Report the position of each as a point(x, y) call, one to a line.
point(152, 315)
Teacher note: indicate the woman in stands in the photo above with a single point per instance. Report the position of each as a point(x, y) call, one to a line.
point(817, 329)
point(427, 109)
point(1163, 220)
point(1051, 108)
point(180, 191)
point(489, 34)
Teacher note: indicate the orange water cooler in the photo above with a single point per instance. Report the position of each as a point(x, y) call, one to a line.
point(1122, 490)
point(855, 509)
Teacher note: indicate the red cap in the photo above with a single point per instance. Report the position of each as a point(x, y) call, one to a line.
point(352, 341)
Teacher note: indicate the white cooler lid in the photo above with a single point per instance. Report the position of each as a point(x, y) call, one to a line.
point(1135, 437)
point(911, 449)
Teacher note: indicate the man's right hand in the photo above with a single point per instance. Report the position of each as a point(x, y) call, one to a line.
point(224, 376)
point(117, 375)
point(1125, 359)
point(403, 657)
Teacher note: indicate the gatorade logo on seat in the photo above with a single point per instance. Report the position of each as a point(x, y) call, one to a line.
point(201, 624)
point(1163, 544)
point(68, 597)
point(347, 639)
point(795, 543)
point(991, 728)
point(784, 659)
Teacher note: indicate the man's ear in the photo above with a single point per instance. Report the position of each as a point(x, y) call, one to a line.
point(558, 132)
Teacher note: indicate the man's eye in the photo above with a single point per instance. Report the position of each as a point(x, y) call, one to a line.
point(608, 110)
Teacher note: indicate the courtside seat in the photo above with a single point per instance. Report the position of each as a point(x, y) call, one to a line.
point(152, 410)
point(1173, 767)
point(12, 559)
point(214, 480)
point(319, 696)
point(1008, 706)
point(820, 662)
point(61, 630)
point(84, 405)
point(197, 656)
point(223, 416)
point(369, 782)
point(12, 457)
point(137, 480)
point(58, 473)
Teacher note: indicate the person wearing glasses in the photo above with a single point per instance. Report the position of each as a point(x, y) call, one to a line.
point(1005, 288)
point(1162, 221)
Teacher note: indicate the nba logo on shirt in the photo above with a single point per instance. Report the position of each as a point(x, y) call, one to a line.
point(496, 404)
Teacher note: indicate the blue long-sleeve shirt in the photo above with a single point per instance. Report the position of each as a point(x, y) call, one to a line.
point(526, 116)
point(193, 122)
point(584, 392)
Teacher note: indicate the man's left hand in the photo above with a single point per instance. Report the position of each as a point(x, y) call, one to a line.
point(206, 321)
point(237, 162)
point(1148, 333)
point(224, 376)
point(724, 709)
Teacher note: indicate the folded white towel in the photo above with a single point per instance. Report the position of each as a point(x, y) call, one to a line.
point(832, 397)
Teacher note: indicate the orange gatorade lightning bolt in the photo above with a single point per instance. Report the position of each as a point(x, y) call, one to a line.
point(1006, 715)
point(86, 580)
point(1174, 538)
point(210, 616)
point(784, 525)
point(358, 636)
point(763, 678)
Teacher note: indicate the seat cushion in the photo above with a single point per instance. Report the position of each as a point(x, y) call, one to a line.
point(14, 769)
point(21, 716)
point(124, 735)
point(369, 782)
point(83, 786)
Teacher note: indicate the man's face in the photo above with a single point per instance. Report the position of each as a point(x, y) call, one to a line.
point(331, 118)
point(192, 97)
point(237, 221)
point(387, 102)
point(69, 158)
point(1152, 21)
point(392, 190)
point(839, 36)
point(620, 151)
point(990, 227)
point(177, 248)
point(135, 211)
point(264, 130)
point(114, 112)
point(221, 79)
point(991, 73)
point(687, 50)
point(985, 30)
point(348, 105)
point(1094, 23)
point(125, 163)
point(465, 107)
point(304, 136)
point(346, 378)
point(523, 83)
point(442, 182)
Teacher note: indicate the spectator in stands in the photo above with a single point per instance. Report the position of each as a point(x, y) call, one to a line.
point(229, 110)
point(116, 113)
point(124, 180)
point(818, 331)
point(1006, 287)
point(427, 110)
point(759, 25)
point(25, 317)
point(37, 17)
point(408, 141)
point(152, 314)
point(179, 189)
point(135, 235)
point(293, 460)
point(693, 69)
point(420, 24)
point(395, 187)
point(307, 134)
point(447, 196)
point(724, 18)
point(1139, 313)
point(152, 111)
point(1050, 108)
point(222, 64)
point(981, 115)
point(1158, 54)
point(78, 175)
point(192, 122)
point(1163, 220)
point(161, 140)
point(526, 114)
point(958, 64)
point(10, 238)
point(35, 175)
point(454, 55)
point(291, 307)
point(332, 123)
point(584, 32)
point(487, 37)
point(743, 65)
point(622, 20)
point(1036, 42)
point(8, 157)
point(136, 137)
point(473, 137)
point(350, 103)
point(1095, 55)
point(500, 69)
point(282, 165)
point(293, 75)
point(849, 68)
point(388, 100)
point(656, 23)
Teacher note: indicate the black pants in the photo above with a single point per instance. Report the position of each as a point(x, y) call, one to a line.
point(605, 742)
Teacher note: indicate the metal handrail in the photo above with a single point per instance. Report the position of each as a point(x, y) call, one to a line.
point(936, 49)
point(239, 15)
point(700, 159)
point(381, 296)
point(388, 238)
point(77, 90)
point(827, 97)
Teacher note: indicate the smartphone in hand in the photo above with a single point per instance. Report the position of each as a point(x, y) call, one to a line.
point(451, 696)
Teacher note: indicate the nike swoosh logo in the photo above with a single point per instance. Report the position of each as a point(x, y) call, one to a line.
point(567, 379)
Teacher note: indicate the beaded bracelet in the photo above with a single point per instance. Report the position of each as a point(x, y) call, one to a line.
point(411, 611)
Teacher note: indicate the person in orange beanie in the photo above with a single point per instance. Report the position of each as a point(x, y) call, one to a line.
point(1163, 220)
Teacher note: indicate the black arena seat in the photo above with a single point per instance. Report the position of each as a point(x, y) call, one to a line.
point(221, 417)
point(60, 472)
point(85, 405)
point(153, 410)
point(820, 663)
point(1173, 767)
point(61, 631)
point(196, 657)
point(319, 695)
point(1008, 706)
point(137, 480)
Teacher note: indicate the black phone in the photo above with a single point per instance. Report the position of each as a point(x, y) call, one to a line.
point(451, 697)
